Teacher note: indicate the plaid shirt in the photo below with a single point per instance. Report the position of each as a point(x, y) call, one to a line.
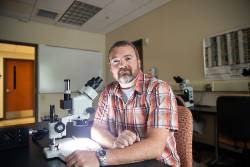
point(152, 105)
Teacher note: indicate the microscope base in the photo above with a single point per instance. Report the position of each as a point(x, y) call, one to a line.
point(188, 104)
point(53, 153)
point(68, 145)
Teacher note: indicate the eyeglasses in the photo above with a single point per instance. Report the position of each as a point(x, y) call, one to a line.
point(125, 59)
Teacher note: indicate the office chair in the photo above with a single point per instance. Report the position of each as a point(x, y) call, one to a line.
point(184, 135)
point(233, 121)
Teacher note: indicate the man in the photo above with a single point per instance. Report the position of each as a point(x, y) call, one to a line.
point(136, 116)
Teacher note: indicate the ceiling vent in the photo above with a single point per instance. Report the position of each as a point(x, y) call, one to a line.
point(47, 14)
point(79, 13)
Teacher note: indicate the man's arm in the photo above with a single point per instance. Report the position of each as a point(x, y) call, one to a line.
point(149, 148)
point(101, 135)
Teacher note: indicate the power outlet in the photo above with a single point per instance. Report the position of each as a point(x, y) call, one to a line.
point(208, 87)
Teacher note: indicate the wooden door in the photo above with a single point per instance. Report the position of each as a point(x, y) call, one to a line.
point(19, 85)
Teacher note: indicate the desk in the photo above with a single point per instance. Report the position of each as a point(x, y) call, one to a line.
point(203, 109)
point(206, 115)
point(32, 156)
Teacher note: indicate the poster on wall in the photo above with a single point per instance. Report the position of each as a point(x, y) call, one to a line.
point(227, 55)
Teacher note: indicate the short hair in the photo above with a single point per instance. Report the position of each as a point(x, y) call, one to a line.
point(124, 43)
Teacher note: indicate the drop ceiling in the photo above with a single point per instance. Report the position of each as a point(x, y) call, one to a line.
point(99, 16)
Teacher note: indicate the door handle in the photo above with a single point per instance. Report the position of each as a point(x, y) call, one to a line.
point(7, 90)
point(14, 77)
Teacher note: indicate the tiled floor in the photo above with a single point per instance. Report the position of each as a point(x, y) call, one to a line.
point(196, 164)
point(203, 156)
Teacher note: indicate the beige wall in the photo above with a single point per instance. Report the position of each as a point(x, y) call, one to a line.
point(38, 33)
point(175, 32)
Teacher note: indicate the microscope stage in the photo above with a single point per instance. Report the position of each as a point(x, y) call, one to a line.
point(68, 145)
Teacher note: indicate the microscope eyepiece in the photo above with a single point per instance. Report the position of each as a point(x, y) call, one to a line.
point(94, 82)
point(178, 79)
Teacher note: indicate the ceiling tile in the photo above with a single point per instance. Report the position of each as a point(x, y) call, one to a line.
point(15, 6)
point(31, 2)
point(43, 20)
point(125, 7)
point(114, 14)
point(16, 9)
point(108, 16)
point(59, 6)
point(112, 26)
point(143, 9)
point(99, 3)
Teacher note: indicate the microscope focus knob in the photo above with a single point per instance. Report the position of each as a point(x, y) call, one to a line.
point(59, 127)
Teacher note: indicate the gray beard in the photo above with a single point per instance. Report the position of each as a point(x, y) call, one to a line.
point(126, 79)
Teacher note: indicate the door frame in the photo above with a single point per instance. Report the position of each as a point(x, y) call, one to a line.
point(139, 46)
point(35, 77)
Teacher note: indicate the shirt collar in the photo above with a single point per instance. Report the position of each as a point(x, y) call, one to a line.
point(138, 85)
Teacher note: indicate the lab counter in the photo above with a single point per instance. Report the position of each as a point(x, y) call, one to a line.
point(204, 124)
point(32, 156)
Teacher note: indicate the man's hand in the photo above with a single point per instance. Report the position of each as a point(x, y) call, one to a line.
point(82, 158)
point(126, 138)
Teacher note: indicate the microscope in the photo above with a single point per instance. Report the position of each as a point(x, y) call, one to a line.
point(79, 109)
point(187, 94)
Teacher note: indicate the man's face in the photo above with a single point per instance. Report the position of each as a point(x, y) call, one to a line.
point(124, 64)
